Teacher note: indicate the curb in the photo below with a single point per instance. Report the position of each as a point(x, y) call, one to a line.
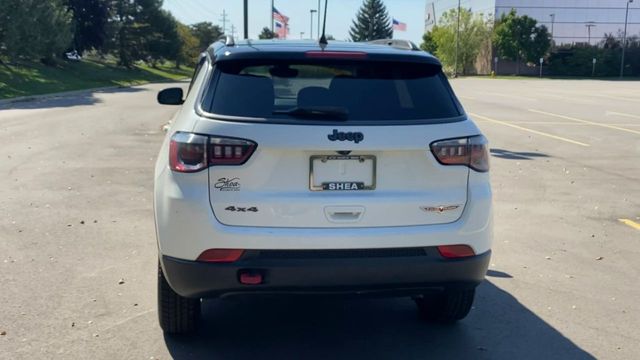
point(30, 98)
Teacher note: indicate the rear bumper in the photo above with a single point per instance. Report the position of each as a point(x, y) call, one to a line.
point(320, 272)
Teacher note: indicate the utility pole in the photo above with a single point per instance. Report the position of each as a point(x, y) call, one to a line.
point(455, 71)
point(246, 19)
point(311, 27)
point(224, 20)
point(589, 25)
point(271, 14)
point(553, 20)
point(624, 39)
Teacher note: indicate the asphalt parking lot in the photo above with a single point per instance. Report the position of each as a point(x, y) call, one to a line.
point(78, 252)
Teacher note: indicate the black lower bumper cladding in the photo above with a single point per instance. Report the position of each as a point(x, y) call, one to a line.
point(386, 272)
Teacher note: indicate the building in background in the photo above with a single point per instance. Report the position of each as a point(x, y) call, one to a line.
point(568, 21)
point(572, 21)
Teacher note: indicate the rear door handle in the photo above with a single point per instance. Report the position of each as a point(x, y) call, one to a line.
point(344, 214)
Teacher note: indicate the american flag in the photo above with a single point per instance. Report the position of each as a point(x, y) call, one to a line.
point(282, 23)
point(282, 30)
point(277, 16)
point(399, 26)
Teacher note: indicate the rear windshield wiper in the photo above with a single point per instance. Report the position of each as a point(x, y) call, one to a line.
point(317, 112)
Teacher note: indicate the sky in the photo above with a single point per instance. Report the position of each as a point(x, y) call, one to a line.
point(339, 18)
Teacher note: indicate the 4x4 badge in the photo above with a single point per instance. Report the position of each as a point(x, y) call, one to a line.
point(346, 136)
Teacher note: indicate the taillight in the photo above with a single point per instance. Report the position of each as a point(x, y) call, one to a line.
point(192, 152)
point(227, 151)
point(188, 152)
point(470, 151)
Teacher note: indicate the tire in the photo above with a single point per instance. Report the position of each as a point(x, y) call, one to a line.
point(446, 307)
point(177, 314)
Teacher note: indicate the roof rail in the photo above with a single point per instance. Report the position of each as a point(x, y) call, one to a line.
point(397, 43)
point(227, 40)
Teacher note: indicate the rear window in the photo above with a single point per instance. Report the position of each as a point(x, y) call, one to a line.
point(360, 91)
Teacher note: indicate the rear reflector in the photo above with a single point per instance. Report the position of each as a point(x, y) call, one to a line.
point(250, 278)
point(455, 251)
point(220, 255)
point(336, 54)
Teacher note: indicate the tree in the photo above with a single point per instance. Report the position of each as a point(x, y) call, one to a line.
point(144, 31)
point(520, 38)
point(206, 33)
point(189, 46)
point(428, 43)
point(161, 38)
point(372, 22)
point(90, 19)
point(34, 29)
point(266, 33)
point(123, 29)
point(474, 31)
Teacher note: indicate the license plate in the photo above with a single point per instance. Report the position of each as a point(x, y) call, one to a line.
point(342, 173)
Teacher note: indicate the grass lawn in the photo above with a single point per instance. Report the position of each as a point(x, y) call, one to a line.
point(35, 79)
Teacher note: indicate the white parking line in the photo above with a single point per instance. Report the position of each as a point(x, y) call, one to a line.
point(622, 114)
point(516, 97)
point(529, 130)
point(615, 97)
point(584, 121)
point(563, 123)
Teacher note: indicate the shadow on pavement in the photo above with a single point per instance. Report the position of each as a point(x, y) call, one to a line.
point(307, 328)
point(512, 155)
point(498, 274)
point(66, 100)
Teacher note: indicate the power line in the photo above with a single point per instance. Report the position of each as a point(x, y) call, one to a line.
point(224, 20)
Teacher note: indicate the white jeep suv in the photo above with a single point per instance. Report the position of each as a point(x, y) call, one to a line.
point(298, 169)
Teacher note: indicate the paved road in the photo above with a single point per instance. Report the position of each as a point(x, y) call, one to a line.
point(76, 218)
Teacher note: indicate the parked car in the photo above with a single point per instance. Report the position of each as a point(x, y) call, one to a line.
point(73, 56)
point(295, 168)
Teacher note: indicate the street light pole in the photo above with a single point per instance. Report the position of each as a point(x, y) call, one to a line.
point(311, 27)
point(319, 19)
point(246, 19)
point(553, 20)
point(624, 39)
point(455, 71)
